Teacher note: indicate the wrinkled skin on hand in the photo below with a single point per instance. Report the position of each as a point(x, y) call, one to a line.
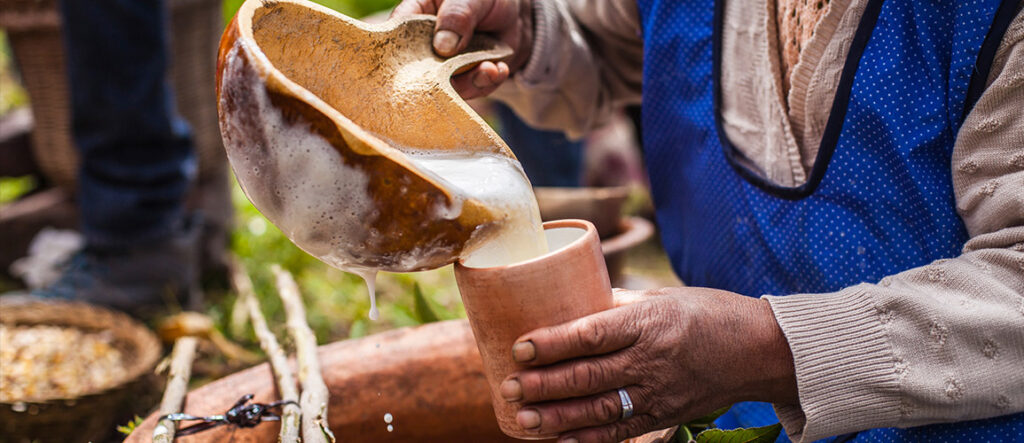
point(511, 21)
point(679, 352)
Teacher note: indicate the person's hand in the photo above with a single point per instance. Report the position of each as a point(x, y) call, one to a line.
point(678, 352)
point(511, 21)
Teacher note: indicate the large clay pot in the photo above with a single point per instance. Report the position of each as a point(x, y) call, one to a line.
point(429, 378)
point(505, 302)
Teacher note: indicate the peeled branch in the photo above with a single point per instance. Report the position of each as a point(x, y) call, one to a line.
point(290, 413)
point(314, 392)
point(177, 386)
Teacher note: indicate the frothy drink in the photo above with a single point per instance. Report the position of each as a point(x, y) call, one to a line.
point(500, 183)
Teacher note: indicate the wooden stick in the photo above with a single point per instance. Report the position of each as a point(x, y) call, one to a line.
point(177, 386)
point(290, 413)
point(313, 399)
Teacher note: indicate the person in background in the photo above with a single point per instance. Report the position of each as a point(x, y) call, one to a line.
point(842, 182)
point(137, 160)
point(548, 157)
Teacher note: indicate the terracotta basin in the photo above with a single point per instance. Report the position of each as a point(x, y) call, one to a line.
point(601, 206)
point(429, 378)
point(631, 233)
point(318, 112)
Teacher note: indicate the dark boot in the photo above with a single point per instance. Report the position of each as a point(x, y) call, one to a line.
point(141, 279)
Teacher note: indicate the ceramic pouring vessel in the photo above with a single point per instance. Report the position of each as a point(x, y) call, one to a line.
point(504, 302)
point(319, 113)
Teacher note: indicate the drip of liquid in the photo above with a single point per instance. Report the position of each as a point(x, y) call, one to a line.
point(369, 276)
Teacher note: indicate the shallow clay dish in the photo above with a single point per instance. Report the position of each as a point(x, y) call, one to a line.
point(317, 111)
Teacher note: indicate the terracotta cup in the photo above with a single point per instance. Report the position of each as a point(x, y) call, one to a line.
point(505, 302)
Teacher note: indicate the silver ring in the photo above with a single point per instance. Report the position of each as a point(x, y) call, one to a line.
point(627, 404)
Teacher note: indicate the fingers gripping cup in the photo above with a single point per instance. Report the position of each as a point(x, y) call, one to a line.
point(504, 302)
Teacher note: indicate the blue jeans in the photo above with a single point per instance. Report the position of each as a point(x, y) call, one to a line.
point(137, 159)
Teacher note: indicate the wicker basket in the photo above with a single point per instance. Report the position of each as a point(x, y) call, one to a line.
point(91, 417)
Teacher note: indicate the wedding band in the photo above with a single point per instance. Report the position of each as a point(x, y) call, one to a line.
point(627, 403)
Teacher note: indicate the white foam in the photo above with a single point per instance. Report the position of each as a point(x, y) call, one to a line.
point(292, 175)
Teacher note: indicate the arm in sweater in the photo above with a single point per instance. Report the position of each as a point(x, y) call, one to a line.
point(588, 63)
point(940, 343)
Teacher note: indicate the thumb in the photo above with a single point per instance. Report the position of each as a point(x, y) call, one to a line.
point(456, 21)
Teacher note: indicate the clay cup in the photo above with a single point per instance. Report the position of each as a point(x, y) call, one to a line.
point(504, 302)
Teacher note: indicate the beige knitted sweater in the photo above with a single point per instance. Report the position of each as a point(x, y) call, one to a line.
point(939, 343)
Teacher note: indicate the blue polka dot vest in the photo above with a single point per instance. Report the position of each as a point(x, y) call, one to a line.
point(880, 197)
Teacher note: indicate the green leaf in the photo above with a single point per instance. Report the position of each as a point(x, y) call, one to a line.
point(684, 435)
point(424, 313)
point(764, 434)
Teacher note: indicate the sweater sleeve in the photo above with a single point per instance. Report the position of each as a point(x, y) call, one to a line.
point(586, 62)
point(939, 343)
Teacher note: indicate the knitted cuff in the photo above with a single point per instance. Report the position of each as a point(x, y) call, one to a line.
point(845, 370)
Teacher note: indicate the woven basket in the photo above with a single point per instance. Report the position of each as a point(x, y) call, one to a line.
point(94, 416)
point(33, 28)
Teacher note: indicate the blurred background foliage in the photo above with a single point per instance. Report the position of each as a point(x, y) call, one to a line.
point(352, 8)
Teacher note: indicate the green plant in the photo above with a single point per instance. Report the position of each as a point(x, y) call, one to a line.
point(764, 434)
point(11, 188)
point(12, 95)
point(703, 430)
point(129, 427)
point(424, 313)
